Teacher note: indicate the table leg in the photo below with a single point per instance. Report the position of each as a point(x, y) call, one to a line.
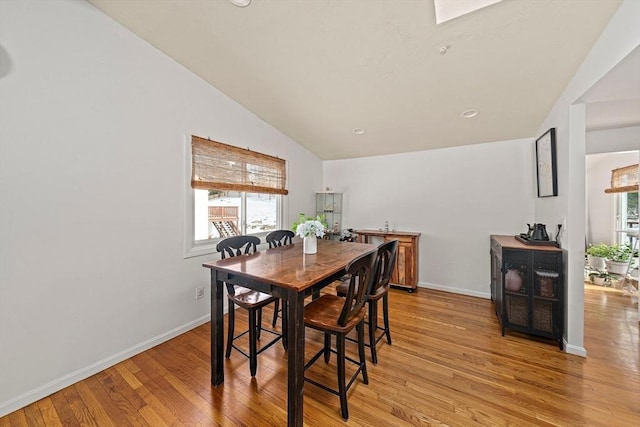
point(295, 358)
point(217, 330)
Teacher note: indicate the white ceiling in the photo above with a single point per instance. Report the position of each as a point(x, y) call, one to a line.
point(317, 69)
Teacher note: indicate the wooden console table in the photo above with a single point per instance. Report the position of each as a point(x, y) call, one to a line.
point(405, 273)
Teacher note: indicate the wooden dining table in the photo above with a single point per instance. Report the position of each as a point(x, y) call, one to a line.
point(284, 272)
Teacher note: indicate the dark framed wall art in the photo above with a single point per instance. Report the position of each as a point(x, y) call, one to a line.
point(546, 164)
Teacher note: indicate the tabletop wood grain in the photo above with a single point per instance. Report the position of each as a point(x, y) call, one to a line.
point(287, 267)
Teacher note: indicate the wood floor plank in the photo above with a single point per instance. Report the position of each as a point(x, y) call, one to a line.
point(449, 365)
point(103, 409)
point(33, 415)
point(168, 396)
point(48, 412)
point(81, 412)
point(18, 419)
point(63, 409)
point(156, 408)
point(124, 369)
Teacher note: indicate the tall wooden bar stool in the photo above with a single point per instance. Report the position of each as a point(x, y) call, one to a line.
point(338, 316)
point(250, 300)
point(276, 239)
point(379, 290)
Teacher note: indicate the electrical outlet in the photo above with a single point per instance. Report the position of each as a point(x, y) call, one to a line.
point(200, 292)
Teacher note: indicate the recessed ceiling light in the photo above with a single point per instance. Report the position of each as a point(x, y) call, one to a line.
point(240, 3)
point(358, 131)
point(469, 114)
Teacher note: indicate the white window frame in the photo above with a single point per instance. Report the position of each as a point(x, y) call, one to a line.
point(620, 219)
point(195, 248)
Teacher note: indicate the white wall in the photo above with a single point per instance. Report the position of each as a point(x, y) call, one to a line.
point(600, 205)
point(92, 187)
point(619, 38)
point(613, 140)
point(455, 197)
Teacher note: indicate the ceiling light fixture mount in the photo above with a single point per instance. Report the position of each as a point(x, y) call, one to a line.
point(240, 3)
point(469, 114)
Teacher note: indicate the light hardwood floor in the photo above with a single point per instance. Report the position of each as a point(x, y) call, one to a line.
point(448, 366)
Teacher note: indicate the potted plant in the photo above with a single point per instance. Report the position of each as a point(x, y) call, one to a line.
point(599, 278)
point(618, 258)
point(596, 255)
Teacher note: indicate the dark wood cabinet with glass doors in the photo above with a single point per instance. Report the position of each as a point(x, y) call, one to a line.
point(527, 287)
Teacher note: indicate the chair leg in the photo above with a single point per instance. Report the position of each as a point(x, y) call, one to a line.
point(327, 347)
point(342, 387)
point(385, 314)
point(363, 362)
point(258, 326)
point(231, 326)
point(373, 329)
point(253, 353)
point(276, 307)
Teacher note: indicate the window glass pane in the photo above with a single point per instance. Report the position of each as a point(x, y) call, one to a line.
point(632, 218)
point(625, 217)
point(200, 217)
point(632, 210)
point(262, 212)
point(217, 214)
point(225, 213)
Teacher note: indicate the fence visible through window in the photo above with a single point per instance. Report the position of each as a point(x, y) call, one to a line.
point(225, 220)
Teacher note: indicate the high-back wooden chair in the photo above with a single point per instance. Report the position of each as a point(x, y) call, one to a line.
point(250, 300)
point(379, 290)
point(279, 238)
point(337, 316)
point(276, 239)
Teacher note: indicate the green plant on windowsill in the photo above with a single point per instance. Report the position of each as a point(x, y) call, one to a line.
point(620, 253)
point(600, 250)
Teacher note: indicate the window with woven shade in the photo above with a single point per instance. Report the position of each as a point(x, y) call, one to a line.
point(224, 167)
point(624, 180)
point(233, 191)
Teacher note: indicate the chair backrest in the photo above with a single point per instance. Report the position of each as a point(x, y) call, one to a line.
point(361, 271)
point(238, 245)
point(279, 238)
point(386, 263)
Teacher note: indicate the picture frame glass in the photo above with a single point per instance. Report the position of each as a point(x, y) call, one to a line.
point(546, 164)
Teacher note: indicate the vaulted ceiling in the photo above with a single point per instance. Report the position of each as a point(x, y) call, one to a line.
point(318, 69)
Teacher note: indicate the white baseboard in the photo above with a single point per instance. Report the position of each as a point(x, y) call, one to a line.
point(461, 291)
point(83, 373)
point(572, 349)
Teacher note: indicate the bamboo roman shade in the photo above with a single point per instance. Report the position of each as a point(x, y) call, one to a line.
point(218, 166)
point(624, 180)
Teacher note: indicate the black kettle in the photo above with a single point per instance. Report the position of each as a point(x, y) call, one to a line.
point(539, 232)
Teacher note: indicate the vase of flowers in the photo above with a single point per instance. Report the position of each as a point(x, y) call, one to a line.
point(310, 230)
